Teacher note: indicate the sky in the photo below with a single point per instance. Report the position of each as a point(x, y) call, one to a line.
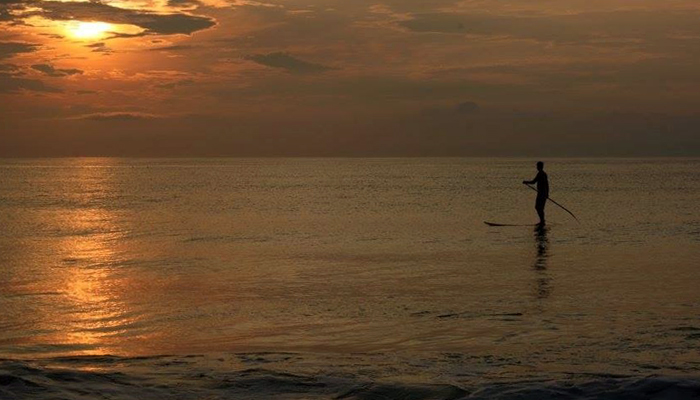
point(349, 78)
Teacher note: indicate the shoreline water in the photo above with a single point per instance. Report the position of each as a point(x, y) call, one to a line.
point(300, 376)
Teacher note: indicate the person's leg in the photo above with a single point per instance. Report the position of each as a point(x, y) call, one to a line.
point(539, 206)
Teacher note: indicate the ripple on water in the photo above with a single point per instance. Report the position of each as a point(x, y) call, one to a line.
point(287, 375)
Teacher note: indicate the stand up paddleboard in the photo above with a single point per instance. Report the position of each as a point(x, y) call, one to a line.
point(495, 224)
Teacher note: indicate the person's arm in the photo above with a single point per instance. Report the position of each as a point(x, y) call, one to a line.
point(532, 182)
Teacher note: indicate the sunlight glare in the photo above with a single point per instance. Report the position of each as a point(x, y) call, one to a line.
point(88, 30)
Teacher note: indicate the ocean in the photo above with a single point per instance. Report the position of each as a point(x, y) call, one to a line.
point(348, 279)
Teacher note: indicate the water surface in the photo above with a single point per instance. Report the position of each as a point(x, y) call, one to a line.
point(350, 265)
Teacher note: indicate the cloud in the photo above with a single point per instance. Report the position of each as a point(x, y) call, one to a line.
point(575, 28)
point(543, 28)
point(152, 23)
point(10, 49)
point(7, 8)
point(118, 116)
point(175, 84)
point(467, 107)
point(12, 84)
point(183, 3)
point(177, 47)
point(50, 70)
point(9, 68)
point(100, 47)
point(289, 63)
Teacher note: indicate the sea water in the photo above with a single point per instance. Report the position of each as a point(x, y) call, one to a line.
point(348, 278)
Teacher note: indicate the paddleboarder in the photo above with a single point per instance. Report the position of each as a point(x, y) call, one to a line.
point(542, 190)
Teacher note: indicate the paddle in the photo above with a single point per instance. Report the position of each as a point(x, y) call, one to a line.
point(562, 207)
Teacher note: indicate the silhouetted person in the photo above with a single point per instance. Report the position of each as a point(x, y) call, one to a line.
point(542, 190)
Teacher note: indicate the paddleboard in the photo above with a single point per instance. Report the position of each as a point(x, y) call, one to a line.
point(496, 224)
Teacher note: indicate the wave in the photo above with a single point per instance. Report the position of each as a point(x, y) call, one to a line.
point(241, 376)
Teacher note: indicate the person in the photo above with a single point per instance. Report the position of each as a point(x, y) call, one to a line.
point(542, 190)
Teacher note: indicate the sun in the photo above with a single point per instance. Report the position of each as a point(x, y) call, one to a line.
point(88, 30)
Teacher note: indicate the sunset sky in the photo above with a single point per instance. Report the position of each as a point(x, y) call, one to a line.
point(349, 78)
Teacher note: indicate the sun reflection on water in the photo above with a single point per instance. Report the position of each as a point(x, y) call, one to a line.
point(95, 314)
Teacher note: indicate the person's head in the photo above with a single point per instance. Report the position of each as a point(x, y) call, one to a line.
point(540, 165)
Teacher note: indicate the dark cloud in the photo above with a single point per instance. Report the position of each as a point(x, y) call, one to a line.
point(9, 68)
point(289, 63)
point(50, 70)
point(378, 89)
point(468, 107)
point(52, 35)
point(12, 84)
point(580, 28)
point(118, 116)
point(152, 23)
point(654, 75)
point(99, 47)
point(175, 84)
point(7, 7)
point(10, 49)
point(177, 47)
point(183, 3)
